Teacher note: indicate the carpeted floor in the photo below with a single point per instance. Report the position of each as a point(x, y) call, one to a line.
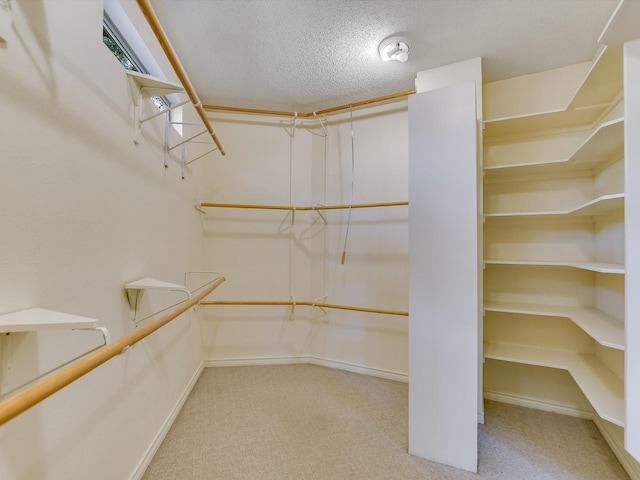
point(307, 422)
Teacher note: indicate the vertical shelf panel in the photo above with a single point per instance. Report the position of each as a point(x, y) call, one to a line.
point(632, 241)
point(443, 295)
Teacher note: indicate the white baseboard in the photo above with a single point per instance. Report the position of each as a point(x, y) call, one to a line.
point(631, 466)
point(324, 362)
point(159, 438)
point(250, 361)
point(352, 367)
point(538, 404)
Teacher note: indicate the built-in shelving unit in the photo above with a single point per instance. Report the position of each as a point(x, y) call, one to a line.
point(554, 200)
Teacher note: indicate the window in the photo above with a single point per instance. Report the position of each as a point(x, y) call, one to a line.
point(117, 44)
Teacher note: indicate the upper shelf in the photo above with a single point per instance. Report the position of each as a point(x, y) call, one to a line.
point(143, 83)
point(604, 143)
point(35, 319)
point(600, 206)
point(600, 85)
point(599, 267)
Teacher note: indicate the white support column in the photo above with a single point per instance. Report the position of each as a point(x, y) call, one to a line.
point(632, 240)
point(445, 273)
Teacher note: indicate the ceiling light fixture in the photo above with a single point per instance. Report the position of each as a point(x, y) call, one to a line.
point(394, 48)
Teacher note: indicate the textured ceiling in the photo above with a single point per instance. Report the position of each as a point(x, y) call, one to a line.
point(306, 55)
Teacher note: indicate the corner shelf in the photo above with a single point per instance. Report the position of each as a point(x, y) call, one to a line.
point(600, 206)
point(589, 101)
point(599, 267)
point(134, 288)
point(602, 388)
point(604, 329)
point(605, 142)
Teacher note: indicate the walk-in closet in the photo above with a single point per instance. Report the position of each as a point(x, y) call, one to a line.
point(326, 240)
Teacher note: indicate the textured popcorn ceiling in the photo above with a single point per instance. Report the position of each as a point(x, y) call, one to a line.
point(306, 55)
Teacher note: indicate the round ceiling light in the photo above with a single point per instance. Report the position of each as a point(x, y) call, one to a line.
point(394, 48)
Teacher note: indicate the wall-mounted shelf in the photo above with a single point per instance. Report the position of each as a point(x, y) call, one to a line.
point(133, 290)
point(602, 388)
point(141, 85)
point(604, 329)
point(35, 319)
point(599, 267)
point(39, 319)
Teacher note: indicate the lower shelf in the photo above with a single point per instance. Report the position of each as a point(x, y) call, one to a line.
point(602, 388)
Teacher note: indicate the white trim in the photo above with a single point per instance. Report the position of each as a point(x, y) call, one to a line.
point(352, 367)
point(251, 361)
point(631, 466)
point(538, 404)
point(324, 362)
point(157, 441)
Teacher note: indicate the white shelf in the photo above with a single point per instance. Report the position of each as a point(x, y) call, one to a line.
point(133, 289)
point(603, 328)
point(150, 85)
point(35, 319)
point(599, 267)
point(153, 284)
point(606, 141)
point(600, 86)
point(597, 90)
point(602, 388)
point(542, 121)
point(600, 206)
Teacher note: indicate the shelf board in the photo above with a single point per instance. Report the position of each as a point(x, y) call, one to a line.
point(541, 121)
point(135, 288)
point(35, 319)
point(599, 267)
point(606, 141)
point(153, 284)
point(604, 329)
point(602, 388)
point(152, 85)
point(604, 80)
point(600, 206)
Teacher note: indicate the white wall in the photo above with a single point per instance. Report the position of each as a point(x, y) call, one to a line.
point(83, 211)
point(264, 258)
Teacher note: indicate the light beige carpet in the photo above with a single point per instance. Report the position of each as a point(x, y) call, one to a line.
point(307, 422)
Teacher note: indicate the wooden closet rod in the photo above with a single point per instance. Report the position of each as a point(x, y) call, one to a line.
point(307, 304)
point(310, 114)
point(291, 208)
point(154, 23)
point(33, 395)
